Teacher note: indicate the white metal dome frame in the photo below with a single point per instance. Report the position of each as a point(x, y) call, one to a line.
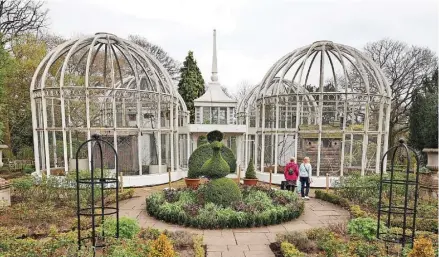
point(357, 93)
point(100, 84)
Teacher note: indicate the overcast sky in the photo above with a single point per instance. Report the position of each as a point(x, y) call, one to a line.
point(251, 34)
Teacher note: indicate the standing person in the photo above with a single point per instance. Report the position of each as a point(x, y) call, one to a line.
point(291, 174)
point(305, 172)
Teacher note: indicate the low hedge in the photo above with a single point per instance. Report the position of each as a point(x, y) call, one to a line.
point(190, 208)
point(422, 224)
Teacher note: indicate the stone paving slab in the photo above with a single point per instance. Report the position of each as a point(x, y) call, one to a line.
point(240, 242)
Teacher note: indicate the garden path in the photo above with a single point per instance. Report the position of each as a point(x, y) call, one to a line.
point(243, 242)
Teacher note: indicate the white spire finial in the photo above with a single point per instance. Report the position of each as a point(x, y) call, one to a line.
point(214, 76)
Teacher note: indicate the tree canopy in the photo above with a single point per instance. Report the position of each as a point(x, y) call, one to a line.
point(170, 64)
point(405, 68)
point(191, 85)
point(423, 120)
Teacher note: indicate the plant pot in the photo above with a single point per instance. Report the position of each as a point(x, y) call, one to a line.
point(192, 182)
point(250, 181)
point(432, 160)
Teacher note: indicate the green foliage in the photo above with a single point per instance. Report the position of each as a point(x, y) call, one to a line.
point(128, 227)
point(332, 198)
point(289, 250)
point(365, 228)
point(215, 135)
point(326, 241)
point(423, 125)
point(15, 113)
point(250, 172)
point(193, 209)
point(222, 192)
point(216, 166)
point(357, 212)
point(204, 153)
point(202, 140)
point(191, 84)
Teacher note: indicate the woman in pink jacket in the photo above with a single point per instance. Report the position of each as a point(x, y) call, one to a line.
point(291, 174)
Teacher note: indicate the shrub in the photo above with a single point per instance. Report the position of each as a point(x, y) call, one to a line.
point(162, 247)
point(222, 192)
point(215, 135)
point(250, 172)
point(204, 153)
point(422, 247)
point(365, 249)
point(202, 140)
point(288, 250)
point(216, 166)
point(357, 212)
point(332, 198)
point(259, 200)
point(365, 228)
point(128, 227)
point(198, 246)
point(298, 239)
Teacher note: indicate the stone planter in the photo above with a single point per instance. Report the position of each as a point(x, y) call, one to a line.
point(5, 193)
point(432, 161)
point(82, 164)
point(250, 181)
point(154, 169)
point(432, 178)
point(192, 182)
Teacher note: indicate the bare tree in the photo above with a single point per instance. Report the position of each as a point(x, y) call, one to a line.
point(244, 88)
point(19, 17)
point(51, 40)
point(405, 68)
point(170, 64)
point(226, 91)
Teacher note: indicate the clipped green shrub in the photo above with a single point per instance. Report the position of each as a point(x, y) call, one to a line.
point(289, 250)
point(204, 153)
point(202, 140)
point(250, 172)
point(222, 192)
point(216, 166)
point(215, 135)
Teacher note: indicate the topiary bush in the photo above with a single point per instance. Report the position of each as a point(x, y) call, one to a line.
point(423, 247)
point(216, 166)
point(222, 192)
point(204, 153)
point(250, 172)
point(215, 135)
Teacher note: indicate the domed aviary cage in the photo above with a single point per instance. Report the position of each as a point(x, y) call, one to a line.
point(327, 101)
point(108, 86)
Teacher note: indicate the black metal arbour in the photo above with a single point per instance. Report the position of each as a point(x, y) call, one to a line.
point(388, 186)
point(104, 184)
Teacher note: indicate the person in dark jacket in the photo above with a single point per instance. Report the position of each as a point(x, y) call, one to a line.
point(291, 174)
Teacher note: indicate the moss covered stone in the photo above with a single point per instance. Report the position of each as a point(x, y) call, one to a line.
point(222, 192)
point(203, 153)
point(216, 166)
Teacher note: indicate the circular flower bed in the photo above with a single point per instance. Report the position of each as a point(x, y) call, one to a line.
point(260, 206)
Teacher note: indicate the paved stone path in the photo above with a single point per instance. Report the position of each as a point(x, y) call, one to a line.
point(243, 242)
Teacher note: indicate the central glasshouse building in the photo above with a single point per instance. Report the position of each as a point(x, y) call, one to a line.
point(326, 101)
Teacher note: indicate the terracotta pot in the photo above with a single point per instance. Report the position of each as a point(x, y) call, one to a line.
point(250, 181)
point(192, 182)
